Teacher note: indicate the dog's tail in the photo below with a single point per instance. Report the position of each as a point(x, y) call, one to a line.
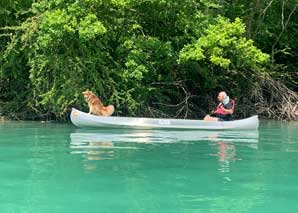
point(108, 110)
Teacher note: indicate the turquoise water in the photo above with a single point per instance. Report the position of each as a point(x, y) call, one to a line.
point(48, 167)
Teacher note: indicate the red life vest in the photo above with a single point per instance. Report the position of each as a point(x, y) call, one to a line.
point(220, 108)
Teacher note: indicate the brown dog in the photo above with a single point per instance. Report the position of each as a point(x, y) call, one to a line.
point(95, 105)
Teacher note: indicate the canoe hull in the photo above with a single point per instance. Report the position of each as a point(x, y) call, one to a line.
point(82, 119)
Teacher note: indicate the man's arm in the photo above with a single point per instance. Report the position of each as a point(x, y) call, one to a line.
point(229, 111)
point(219, 105)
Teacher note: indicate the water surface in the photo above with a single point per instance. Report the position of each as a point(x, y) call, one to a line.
point(46, 167)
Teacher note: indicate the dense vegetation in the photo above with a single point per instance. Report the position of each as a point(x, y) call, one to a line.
point(148, 57)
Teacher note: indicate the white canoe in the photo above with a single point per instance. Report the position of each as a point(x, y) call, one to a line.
point(82, 119)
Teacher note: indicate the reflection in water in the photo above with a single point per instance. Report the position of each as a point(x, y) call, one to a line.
point(97, 145)
point(226, 154)
point(227, 151)
point(94, 150)
point(159, 136)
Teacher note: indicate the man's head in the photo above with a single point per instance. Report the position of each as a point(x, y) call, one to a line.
point(221, 96)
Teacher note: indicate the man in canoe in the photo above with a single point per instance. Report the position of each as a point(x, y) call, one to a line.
point(224, 110)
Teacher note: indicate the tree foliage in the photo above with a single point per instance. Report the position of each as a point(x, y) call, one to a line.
point(224, 44)
point(145, 56)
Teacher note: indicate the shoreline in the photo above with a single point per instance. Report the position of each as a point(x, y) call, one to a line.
point(7, 119)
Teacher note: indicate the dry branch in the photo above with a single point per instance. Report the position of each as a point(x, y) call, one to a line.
point(276, 100)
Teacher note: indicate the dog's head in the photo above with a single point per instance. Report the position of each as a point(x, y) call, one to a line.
point(87, 94)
